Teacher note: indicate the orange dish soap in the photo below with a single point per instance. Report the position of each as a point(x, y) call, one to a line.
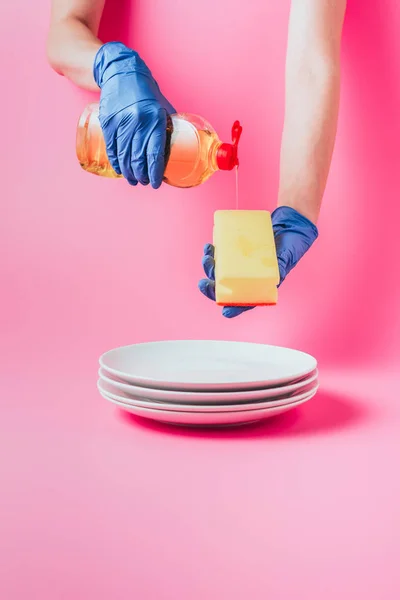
point(194, 150)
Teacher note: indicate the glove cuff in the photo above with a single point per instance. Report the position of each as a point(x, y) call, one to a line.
point(285, 218)
point(108, 59)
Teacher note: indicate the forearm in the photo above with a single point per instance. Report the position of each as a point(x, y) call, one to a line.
point(72, 40)
point(312, 103)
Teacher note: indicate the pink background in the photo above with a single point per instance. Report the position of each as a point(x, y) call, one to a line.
point(98, 505)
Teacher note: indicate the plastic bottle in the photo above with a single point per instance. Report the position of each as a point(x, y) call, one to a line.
point(194, 150)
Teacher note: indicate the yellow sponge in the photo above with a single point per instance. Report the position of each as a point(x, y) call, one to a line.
point(246, 267)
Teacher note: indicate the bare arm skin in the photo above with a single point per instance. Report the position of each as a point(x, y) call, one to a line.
point(312, 103)
point(72, 41)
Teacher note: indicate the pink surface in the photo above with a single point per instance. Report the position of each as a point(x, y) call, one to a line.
point(97, 505)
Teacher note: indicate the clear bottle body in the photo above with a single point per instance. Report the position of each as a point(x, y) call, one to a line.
point(192, 146)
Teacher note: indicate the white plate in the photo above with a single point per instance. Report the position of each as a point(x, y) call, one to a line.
point(194, 419)
point(143, 393)
point(109, 392)
point(207, 365)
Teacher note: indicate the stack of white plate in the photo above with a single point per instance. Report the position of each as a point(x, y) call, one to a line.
point(207, 382)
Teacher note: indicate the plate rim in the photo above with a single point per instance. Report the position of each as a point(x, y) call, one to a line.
point(207, 397)
point(151, 382)
point(213, 408)
point(156, 415)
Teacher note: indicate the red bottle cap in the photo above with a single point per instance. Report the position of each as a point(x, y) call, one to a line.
point(227, 154)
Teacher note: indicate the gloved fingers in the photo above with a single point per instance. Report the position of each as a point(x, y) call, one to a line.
point(230, 312)
point(156, 164)
point(208, 263)
point(207, 287)
point(209, 250)
point(114, 163)
point(139, 159)
point(112, 151)
point(143, 115)
point(156, 149)
point(124, 149)
point(110, 139)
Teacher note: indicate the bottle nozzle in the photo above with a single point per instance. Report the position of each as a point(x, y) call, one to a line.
point(227, 154)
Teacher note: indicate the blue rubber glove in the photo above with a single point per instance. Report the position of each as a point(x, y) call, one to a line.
point(133, 115)
point(294, 235)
